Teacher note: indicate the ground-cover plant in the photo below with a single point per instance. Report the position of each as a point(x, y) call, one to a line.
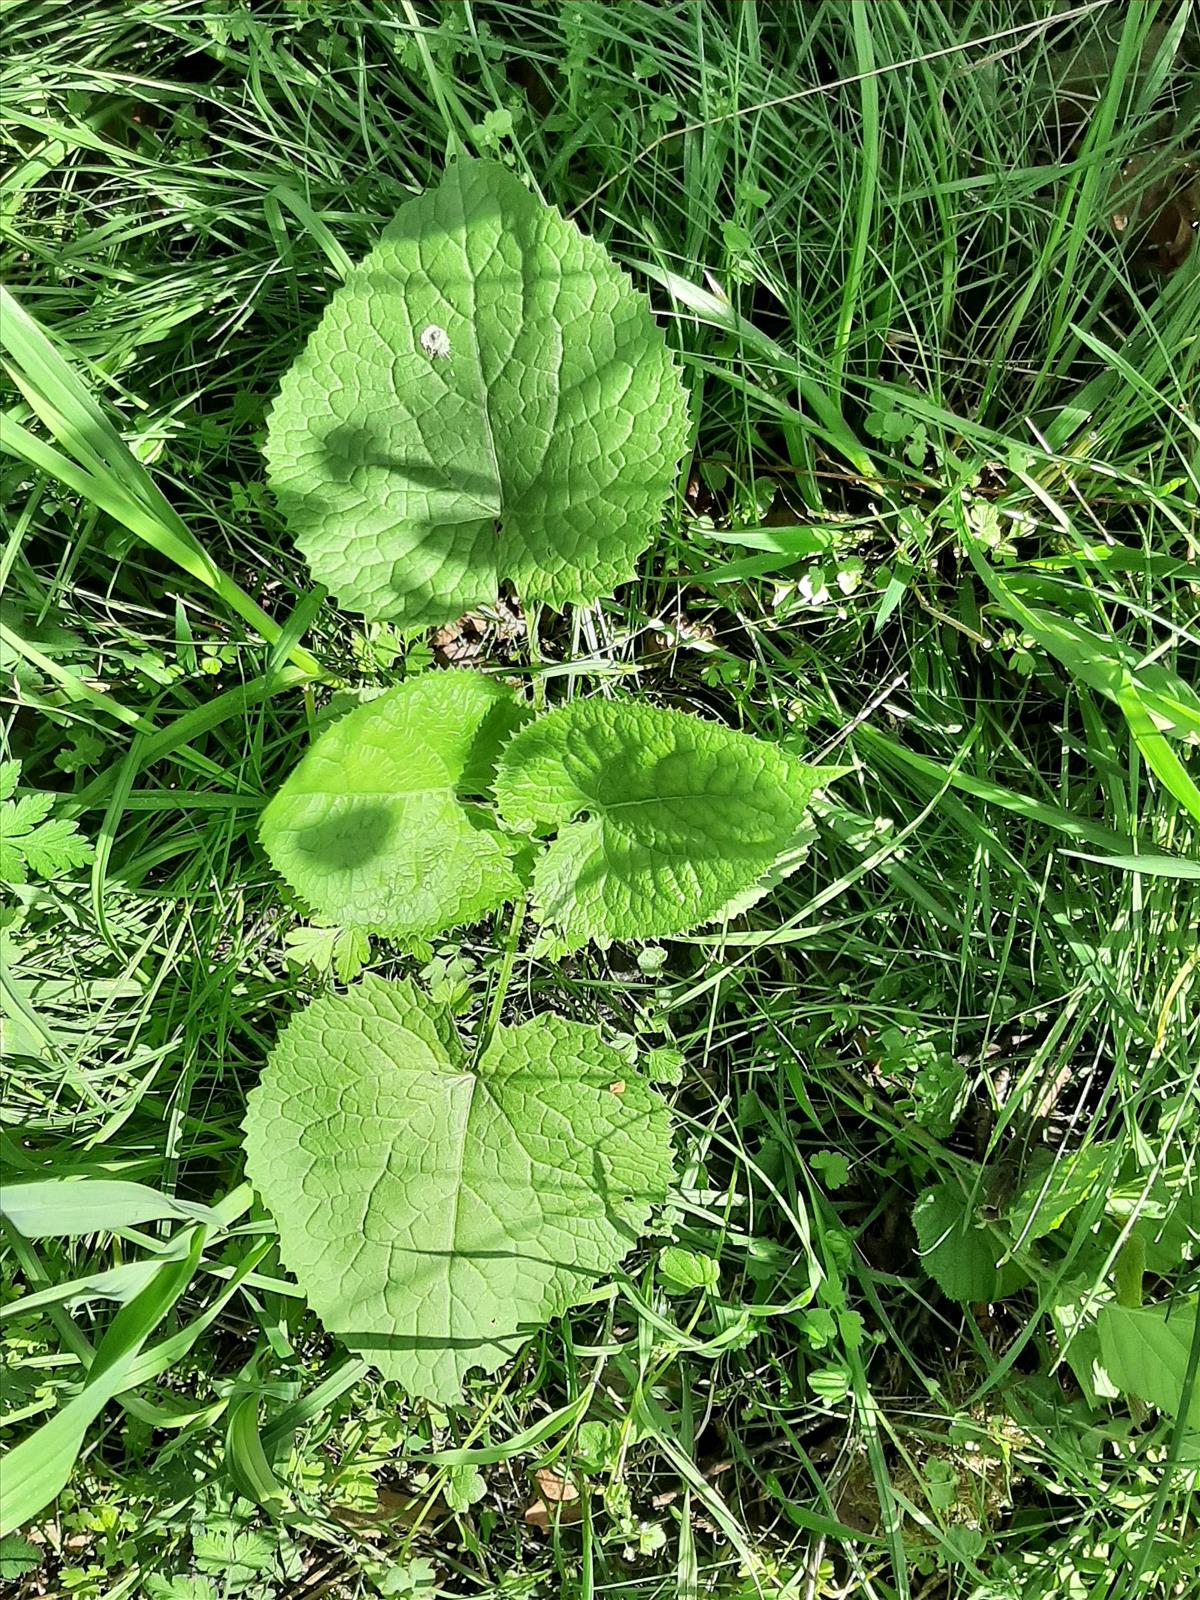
point(935, 524)
point(32, 842)
point(1144, 1226)
point(484, 1198)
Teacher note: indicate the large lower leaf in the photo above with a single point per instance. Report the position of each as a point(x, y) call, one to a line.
point(486, 398)
point(432, 1212)
point(663, 820)
point(376, 828)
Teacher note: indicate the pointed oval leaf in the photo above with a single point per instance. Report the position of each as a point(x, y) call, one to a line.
point(1058, 1186)
point(376, 827)
point(486, 398)
point(1147, 1352)
point(434, 1213)
point(663, 820)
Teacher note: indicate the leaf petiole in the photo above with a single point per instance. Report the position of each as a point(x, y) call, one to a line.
point(507, 961)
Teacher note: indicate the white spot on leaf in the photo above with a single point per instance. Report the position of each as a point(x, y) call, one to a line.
point(435, 342)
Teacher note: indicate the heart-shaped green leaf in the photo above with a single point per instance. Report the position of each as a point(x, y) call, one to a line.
point(435, 1213)
point(663, 820)
point(377, 828)
point(485, 399)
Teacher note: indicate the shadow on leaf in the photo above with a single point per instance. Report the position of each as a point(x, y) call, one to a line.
point(348, 448)
point(349, 838)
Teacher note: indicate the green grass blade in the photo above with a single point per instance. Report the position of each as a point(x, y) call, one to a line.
point(98, 465)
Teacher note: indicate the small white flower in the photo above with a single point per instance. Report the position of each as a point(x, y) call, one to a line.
point(435, 342)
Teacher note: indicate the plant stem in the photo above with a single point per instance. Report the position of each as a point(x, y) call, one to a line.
point(440, 86)
point(1130, 1269)
point(506, 970)
point(533, 617)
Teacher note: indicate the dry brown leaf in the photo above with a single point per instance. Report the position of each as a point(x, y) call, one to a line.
point(1158, 222)
point(560, 1490)
point(558, 1501)
point(477, 634)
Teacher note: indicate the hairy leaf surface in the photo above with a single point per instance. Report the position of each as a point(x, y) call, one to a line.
point(486, 398)
point(432, 1212)
point(376, 827)
point(663, 820)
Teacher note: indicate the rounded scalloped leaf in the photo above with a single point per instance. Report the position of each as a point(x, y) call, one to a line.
point(958, 1256)
point(435, 1214)
point(486, 399)
point(375, 828)
point(663, 821)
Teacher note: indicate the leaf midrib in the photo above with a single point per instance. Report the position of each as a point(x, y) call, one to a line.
point(452, 1248)
point(391, 792)
point(472, 279)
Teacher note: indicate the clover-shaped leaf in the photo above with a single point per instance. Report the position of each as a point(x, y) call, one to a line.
point(436, 1212)
point(486, 399)
point(381, 827)
point(664, 821)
